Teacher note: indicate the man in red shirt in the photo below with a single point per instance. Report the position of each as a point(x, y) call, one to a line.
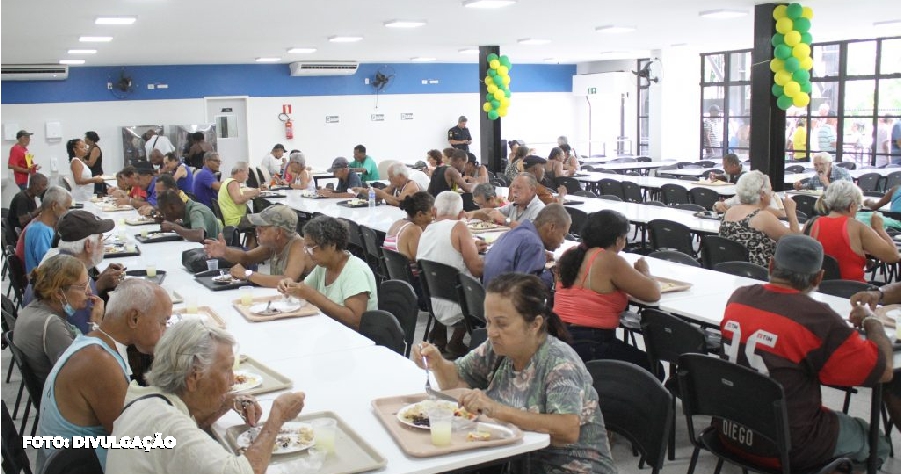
point(20, 161)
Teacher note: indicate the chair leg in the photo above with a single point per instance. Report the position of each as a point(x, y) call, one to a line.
point(34, 426)
point(428, 326)
point(719, 466)
point(9, 373)
point(671, 450)
point(18, 399)
point(694, 460)
point(25, 417)
point(847, 404)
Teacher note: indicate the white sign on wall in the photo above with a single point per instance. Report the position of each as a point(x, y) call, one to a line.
point(406, 116)
point(332, 119)
point(377, 117)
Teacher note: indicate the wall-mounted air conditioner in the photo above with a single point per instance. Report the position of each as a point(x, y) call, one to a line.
point(324, 68)
point(34, 72)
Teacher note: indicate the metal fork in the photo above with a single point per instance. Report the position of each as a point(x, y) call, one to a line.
point(433, 394)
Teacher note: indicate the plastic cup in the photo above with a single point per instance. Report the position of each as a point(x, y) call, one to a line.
point(324, 433)
point(130, 246)
point(121, 235)
point(441, 424)
point(120, 222)
point(191, 304)
point(212, 264)
point(151, 270)
point(246, 295)
point(144, 233)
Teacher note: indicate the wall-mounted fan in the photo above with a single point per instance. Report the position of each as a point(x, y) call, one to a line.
point(383, 78)
point(123, 85)
point(652, 72)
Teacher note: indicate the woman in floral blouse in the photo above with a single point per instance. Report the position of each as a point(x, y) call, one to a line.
point(526, 376)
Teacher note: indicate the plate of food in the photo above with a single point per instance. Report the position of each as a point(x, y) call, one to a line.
point(226, 279)
point(356, 202)
point(417, 414)
point(276, 307)
point(292, 437)
point(715, 182)
point(245, 380)
point(310, 194)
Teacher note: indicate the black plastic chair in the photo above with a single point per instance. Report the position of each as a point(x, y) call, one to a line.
point(438, 281)
point(632, 192)
point(578, 218)
point(676, 257)
point(848, 165)
point(636, 406)
point(690, 207)
point(643, 159)
point(398, 266)
point(468, 204)
point(743, 269)
point(372, 244)
point(17, 278)
point(382, 327)
point(893, 179)
point(704, 197)
point(831, 271)
point(844, 288)
point(795, 169)
point(231, 235)
point(806, 204)
point(712, 387)
point(611, 187)
point(585, 193)
point(217, 211)
point(472, 301)
point(572, 184)
point(15, 459)
point(667, 234)
point(667, 337)
point(610, 197)
point(716, 249)
point(869, 182)
point(478, 336)
point(355, 239)
point(33, 384)
point(673, 194)
point(398, 298)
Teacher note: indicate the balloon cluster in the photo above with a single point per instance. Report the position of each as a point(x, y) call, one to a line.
point(791, 62)
point(498, 85)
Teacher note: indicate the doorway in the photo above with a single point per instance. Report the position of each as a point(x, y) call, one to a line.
point(229, 114)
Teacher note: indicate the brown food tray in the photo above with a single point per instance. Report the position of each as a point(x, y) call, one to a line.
point(417, 442)
point(272, 380)
point(668, 285)
point(712, 183)
point(137, 222)
point(306, 310)
point(352, 453)
point(201, 309)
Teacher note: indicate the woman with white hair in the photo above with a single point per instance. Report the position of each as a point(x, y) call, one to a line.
point(190, 388)
point(746, 224)
point(846, 239)
point(400, 187)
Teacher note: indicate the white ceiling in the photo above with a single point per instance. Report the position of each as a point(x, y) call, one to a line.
point(236, 32)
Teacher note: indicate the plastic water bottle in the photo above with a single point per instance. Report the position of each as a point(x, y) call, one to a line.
point(371, 197)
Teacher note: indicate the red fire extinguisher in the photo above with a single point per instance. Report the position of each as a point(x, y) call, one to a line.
point(289, 126)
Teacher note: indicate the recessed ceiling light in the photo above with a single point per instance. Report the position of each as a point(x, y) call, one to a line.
point(71, 61)
point(344, 39)
point(469, 51)
point(268, 60)
point(488, 3)
point(302, 50)
point(405, 23)
point(95, 39)
point(533, 41)
point(82, 51)
point(422, 59)
point(721, 14)
point(614, 29)
point(115, 20)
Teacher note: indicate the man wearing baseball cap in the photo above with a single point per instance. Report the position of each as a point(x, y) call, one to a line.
point(778, 329)
point(279, 244)
point(459, 136)
point(81, 236)
point(20, 161)
point(347, 180)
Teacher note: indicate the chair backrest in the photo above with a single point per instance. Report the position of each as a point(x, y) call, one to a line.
point(15, 459)
point(611, 187)
point(635, 405)
point(713, 387)
point(585, 193)
point(398, 298)
point(252, 180)
point(231, 235)
point(848, 165)
point(439, 280)
point(707, 164)
point(676, 257)
point(893, 179)
point(632, 192)
point(572, 184)
point(690, 207)
point(674, 194)
point(33, 383)
point(743, 269)
point(652, 202)
point(382, 327)
point(667, 234)
point(354, 237)
point(667, 337)
point(844, 288)
point(578, 218)
point(372, 244)
point(9, 314)
point(704, 197)
point(869, 182)
point(610, 197)
point(716, 249)
point(478, 336)
point(472, 300)
point(217, 211)
point(468, 204)
point(806, 204)
point(397, 265)
point(72, 461)
point(259, 204)
point(644, 159)
point(831, 271)
point(261, 178)
point(17, 278)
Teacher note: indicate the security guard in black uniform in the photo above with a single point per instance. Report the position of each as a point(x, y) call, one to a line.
point(459, 136)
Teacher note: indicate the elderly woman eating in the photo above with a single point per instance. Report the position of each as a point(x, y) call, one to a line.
point(526, 375)
point(751, 224)
point(400, 187)
point(190, 389)
point(341, 285)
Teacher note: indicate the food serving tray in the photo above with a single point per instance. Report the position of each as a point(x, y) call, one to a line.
point(118, 250)
point(417, 442)
point(352, 453)
point(115, 208)
point(179, 314)
point(354, 204)
point(711, 215)
point(279, 188)
point(306, 309)
point(205, 278)
point(573, 202)
point(158, 279)
point(154, 237)
point(668, 285)
point(141, 221)
point(272, 194)
point(272, 380)
point(704, 182)
point(488, 227)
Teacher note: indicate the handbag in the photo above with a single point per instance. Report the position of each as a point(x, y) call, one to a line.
point(194, 260)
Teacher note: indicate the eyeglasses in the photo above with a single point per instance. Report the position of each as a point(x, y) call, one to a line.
point(82, 287)
point(310, 249)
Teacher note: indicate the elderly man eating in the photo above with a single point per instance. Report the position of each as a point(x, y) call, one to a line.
point(524, 203)
point(826, 174)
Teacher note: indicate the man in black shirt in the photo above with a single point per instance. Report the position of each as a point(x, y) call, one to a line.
point(23, 207)
point(459, 136)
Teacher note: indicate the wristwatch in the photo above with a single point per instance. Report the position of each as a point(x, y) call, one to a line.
point(247, 274)
point(507, 221)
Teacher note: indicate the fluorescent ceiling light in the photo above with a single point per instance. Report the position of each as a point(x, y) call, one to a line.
point(344, 39)
point(302, 50)
point(533, 41)
point(71, 61)
point(268, 60)
point(95, 39)
point(469, 51)
point(488, 3)
point(82, 51)
point(721, 14)
point(421, 59)
point(614, 29)
point(115, 20)
point(404, 23)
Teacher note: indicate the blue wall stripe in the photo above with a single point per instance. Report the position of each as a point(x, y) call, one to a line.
point(89, 84)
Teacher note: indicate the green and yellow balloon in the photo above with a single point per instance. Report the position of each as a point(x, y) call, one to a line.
point(791, 62)
point(497, 84)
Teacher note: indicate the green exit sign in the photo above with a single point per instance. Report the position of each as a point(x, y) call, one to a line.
point(592, 90)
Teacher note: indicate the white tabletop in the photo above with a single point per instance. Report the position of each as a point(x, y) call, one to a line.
point(642, 213)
